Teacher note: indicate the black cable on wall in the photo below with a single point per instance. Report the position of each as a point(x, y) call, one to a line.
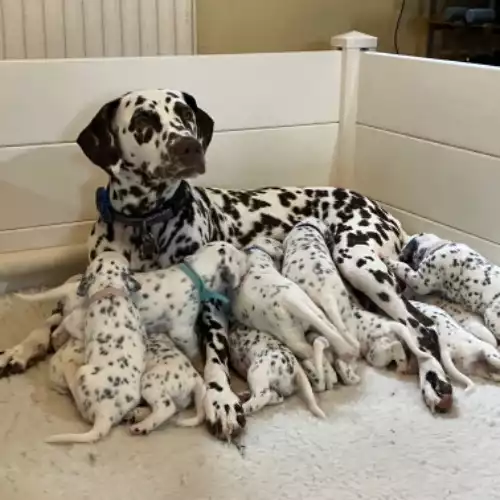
point(398, 25)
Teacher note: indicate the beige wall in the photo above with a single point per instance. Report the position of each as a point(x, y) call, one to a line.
point(283, 25)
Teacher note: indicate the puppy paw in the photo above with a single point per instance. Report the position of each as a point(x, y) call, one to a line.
point(437, 392)
point(347, 372)
point(330, 375)
point(224, 414)
point(138, 414)
point(18, 359)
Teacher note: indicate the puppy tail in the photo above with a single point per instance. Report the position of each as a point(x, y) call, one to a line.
point(453, 371)
point(404, 334)
point(199, 396)
point(303, 308)
point(102, 427)
point(307, 392)
point(57, 293)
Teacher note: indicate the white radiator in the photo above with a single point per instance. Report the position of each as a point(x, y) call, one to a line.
point(34, 29)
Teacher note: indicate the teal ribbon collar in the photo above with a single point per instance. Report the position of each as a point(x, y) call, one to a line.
point(204, 293)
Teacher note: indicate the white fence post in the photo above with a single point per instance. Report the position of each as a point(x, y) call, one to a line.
point(351, 44)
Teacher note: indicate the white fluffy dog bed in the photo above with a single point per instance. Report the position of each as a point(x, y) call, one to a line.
point(379, 442)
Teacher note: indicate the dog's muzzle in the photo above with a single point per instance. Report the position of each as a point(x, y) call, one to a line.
point(188, 152)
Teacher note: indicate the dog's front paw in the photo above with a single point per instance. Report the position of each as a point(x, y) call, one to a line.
point(224, 414)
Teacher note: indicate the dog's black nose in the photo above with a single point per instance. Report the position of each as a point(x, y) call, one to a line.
point(188, 151)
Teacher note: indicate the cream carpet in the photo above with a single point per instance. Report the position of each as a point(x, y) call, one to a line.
point(379, 442)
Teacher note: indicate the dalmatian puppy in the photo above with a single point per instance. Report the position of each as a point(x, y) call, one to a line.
point(107, 386)
point(459, 273)
point(472, 355)
point(308, 263)
point(170, 301)
point(471, 322)
point(269, 302)
point(169, 384)
point(270, 368)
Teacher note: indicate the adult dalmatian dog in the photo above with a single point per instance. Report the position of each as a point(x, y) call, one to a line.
point(150, 143)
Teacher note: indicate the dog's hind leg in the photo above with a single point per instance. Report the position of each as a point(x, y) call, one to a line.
point(261, 394)
point(492, 318)
point(155, 393)
point(373, 279)
point(199, 396)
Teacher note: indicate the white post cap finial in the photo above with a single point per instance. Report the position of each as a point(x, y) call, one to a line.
point(354, 40)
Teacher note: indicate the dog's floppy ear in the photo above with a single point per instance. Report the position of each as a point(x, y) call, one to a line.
point(204, 122)
point(408, 251)
point(83, 287)
point(99, 142)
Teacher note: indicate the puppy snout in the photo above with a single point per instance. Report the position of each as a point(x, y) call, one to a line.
point(189, 152)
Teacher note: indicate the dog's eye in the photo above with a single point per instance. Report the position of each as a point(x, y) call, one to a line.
point(187, 114)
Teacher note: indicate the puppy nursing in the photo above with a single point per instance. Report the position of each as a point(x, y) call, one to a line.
point(270, 368)
point(107, 386)
point(169, 384)
point(269, 302)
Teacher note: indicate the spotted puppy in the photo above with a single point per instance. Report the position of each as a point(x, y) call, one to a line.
point(308, 263)
point(270, 368)
point(472, 355)
point(459, 273)
point(471, 322)
point(269, 302)
point(107, 385)
point(169, 384)
point(170, 301)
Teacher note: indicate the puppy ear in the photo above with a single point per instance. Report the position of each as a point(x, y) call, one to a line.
point(131, 283)
point(204, 122)
point(408, 251)
point(83, 287)
point(99, 142)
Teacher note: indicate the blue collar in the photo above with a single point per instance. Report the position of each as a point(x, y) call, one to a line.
point(204, 293)
point(149, 247)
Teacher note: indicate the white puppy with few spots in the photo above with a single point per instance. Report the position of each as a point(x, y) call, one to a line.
point(473, 356)
point(269, 302)
point(107, 386)
point(169, 384)
point(270, 368)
